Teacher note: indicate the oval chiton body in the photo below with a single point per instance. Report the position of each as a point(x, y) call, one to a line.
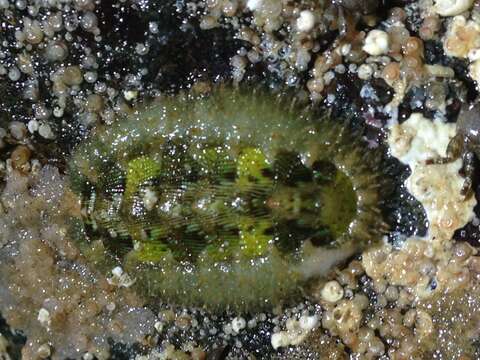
point(231, 200)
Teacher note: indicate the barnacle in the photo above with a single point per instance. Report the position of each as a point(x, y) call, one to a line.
point(230, 199)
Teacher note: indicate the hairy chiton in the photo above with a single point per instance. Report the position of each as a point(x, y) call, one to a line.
point(230, 200)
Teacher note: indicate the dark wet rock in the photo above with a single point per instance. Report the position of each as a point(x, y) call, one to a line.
point(364, 6)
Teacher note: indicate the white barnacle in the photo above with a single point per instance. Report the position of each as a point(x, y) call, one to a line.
point(376, 43)
point(332, 291)
point(120, 278)
point(238, 324)
point(254, 4)
point(306, 21)
point(452, 7)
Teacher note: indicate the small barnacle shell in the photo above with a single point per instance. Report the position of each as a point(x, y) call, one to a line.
point(306, 21)
point(229, 200)
point(376, 43)
point(474, 71)
point(452, 7)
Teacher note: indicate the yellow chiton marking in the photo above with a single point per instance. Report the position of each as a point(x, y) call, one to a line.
point(140, 170)
point(250, 165)
point(152, 252)
point(253, 240)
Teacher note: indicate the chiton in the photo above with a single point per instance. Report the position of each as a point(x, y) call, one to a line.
point(229, 200)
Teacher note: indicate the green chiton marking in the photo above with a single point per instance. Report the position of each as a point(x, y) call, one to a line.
point(139, 171)
point(216, 201)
